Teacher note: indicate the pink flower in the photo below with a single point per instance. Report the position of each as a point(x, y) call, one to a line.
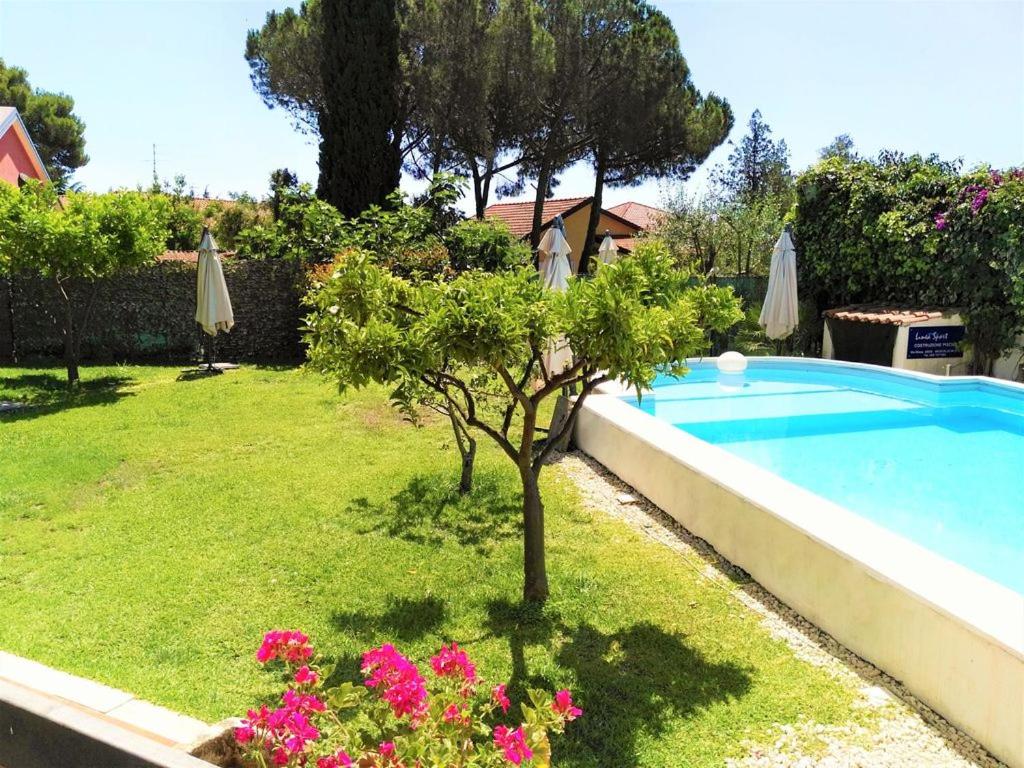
point(340, 759)
point(997, 178)
point(302, 702)
point(453, 662)
point(244, 734)
point(562, 705)
point(400, 683)
point(499, 697)
point(287, 645)
point(456, 713)
point(513, 744)
point(389, 757)
point(306, 676)
point(979, 200)
point(940, 221)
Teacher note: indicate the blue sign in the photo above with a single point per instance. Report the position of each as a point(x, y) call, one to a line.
point(935, 341)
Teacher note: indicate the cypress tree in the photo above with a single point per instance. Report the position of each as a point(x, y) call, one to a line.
point(360, 132)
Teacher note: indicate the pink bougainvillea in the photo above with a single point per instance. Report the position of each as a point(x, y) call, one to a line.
point(306, 677)
point(400, 682)
point(513, 744)
point(453, 662)
point(499, 697)
point(562, 705)
point(287, 645)
point(397, 718)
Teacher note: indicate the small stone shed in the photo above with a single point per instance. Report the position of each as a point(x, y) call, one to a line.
point(927, 339)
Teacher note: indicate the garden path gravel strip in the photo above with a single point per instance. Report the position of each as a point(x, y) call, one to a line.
point(905, 732)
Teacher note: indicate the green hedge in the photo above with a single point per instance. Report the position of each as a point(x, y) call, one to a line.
point(915, 231)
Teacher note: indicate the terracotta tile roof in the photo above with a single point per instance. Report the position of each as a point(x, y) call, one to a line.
point(191, 257)
point(644, 216)
point(886, 314)
point(625, 244)
point(519, 216)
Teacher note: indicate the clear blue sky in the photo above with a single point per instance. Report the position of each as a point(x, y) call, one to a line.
point(945, 77)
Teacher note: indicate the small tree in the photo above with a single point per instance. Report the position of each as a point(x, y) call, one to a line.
point(476, 343)
point(74, 242)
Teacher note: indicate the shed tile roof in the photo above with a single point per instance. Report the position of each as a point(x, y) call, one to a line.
point(644, 216)
point(519, 216)
point(886, 314)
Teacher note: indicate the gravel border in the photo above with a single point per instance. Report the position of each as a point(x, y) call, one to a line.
point(905, 732)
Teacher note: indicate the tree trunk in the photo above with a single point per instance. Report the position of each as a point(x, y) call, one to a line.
point(467, 450)
point(70, 348)
point(589, 246)
point(535, 577)
point(543, 180)
point(468, 460)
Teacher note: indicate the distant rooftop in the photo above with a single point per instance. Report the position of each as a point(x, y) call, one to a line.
point(519, 216)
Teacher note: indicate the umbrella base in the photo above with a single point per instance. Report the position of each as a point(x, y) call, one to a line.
point(212, 368)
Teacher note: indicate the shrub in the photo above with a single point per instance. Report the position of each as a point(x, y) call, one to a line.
point(913, 230)
point(399, 718)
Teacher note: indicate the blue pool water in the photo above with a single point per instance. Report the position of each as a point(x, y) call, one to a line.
point(939, 462)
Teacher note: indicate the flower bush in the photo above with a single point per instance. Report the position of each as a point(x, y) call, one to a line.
point(913, 230)
point(398, 717)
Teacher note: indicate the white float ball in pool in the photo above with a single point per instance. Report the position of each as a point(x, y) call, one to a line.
point(732, 362)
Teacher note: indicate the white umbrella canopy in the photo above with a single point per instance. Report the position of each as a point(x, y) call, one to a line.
point(555, 274)
point(779, 315)
point(213, 305)
point(609, 251)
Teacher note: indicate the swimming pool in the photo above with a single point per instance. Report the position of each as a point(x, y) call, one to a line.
point(881, 505)
point(938, 461)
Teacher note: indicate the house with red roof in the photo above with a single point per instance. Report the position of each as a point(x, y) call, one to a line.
point(623, 222)
point(19, 160)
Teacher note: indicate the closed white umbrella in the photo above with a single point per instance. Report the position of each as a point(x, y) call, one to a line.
point(555, 275)
point(609, 251)
point(213, 305)
point(779, 315)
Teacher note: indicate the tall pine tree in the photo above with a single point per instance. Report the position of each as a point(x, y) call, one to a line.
point(361, 121)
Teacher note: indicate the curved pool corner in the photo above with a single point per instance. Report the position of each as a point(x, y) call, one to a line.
point(953, 636)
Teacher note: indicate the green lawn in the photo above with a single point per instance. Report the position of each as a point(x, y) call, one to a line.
point(152, 528)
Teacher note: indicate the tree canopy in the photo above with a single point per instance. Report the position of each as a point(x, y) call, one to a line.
point(57, 132)
point(758, 166)
point(512, 91)
point(477, 343)
point(361, 119)
point(74, 242)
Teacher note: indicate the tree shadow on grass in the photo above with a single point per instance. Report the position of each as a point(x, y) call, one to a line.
point(632, 683)
point(429, 510)
point(46, 393)
point(405, 619)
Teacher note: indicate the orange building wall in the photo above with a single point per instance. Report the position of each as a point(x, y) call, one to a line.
point(576, 231)
point(14, 158)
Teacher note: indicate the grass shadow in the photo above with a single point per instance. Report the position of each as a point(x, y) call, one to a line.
point(198, 374)
point(46, 393)
point(429, 510)
point(404, 619)
point(632, 683)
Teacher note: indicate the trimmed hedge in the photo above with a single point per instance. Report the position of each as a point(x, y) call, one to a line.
point(149, 314)
point(915, 231)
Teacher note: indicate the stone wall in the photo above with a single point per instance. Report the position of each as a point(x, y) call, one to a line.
point(149, 315)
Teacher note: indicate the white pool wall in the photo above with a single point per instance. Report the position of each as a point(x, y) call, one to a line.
point(953, 637)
